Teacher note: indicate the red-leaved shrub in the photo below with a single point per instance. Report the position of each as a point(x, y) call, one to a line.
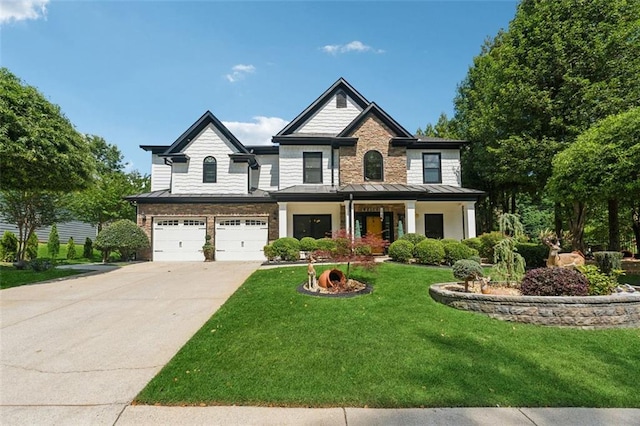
point(554, 282)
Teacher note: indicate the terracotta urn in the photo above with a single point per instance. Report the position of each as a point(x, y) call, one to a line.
point(326, 279)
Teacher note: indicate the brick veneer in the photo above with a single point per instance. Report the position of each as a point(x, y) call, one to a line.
point(209, 211)
point(373, 135)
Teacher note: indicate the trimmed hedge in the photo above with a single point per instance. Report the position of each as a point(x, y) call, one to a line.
point(455, 250)
point(554, 282)
point(429, 251)
point(489, 240)
point(535, 255)
point(308, 244)
point(326, 244)
point(401, 250)
point(474, 243)
point(287, 248)
point(413, 238)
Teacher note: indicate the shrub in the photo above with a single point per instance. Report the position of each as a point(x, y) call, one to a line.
point(475, 243)
point(429, 251)
point(31, 249)
point(599, 284)
point(363, 250)
point(269, 252)
point(455, 250)
point(308, 244)
point(467, 270)
point(476, 259)
point(535, 255)
point(326, 244)
point(401, 250)
point(8, 247)
point(489, 240)
point(554, 282)
point(40, 265)
point(608, 261)
point(124, 236)
point(287, 248)
point(87, 250)
point(71, 249)
point(53, 244)
point(413, 238)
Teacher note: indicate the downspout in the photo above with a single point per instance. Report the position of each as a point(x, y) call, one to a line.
point(332, 166)
point(464, 229)
point(350, 227)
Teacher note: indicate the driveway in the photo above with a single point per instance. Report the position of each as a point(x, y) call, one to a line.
point(78, 351)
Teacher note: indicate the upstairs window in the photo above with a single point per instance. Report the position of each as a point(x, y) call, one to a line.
point(209, 170)
point(341, 100)
point(372, 166)
point(431, 168)
point(312, 167)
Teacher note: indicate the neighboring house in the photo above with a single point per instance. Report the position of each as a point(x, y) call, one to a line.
point(80, 231)
point(343, 161)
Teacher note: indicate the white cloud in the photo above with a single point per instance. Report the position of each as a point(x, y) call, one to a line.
point(258, 132)
point(354, 46)
point(238, 72)
point(20, 10)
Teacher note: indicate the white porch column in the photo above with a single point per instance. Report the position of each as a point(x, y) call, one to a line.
point(410, 216)
point(347, 217)
point(282, 220)
point(470, 219)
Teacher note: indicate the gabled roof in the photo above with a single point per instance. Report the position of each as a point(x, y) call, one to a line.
point(197, 127)
point(374, 109)
point(341, 84)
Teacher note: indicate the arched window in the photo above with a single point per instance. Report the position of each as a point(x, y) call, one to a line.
point(373, 166)
point(209, 170)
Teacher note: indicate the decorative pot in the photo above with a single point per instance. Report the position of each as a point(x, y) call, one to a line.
point(328, 277)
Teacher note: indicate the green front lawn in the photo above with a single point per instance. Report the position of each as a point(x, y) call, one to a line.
point(11, 277)
point(269, 345)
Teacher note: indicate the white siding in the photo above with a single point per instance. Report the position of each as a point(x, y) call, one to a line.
point(291, 164)
point(452, 217)
point(266, 177)
point(450, 163)
point(330, 119)
point(231, 177)
point(76, 229)
point(160, 173)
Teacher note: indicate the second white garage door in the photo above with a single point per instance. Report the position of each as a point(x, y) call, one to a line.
point(241, 238)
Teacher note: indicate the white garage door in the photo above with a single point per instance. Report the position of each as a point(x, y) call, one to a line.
point(241, 238)
point(178, 239)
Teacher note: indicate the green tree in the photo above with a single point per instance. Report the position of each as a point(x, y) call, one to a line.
point(8, 247)
point(444, 128)
point(87, 251)
point(53, 245)
point(559, 67)
point(122, 235)
point(32, 247)
point(39, 148)
point(71, 249)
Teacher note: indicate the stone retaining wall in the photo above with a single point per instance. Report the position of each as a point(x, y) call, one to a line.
point(585, 312)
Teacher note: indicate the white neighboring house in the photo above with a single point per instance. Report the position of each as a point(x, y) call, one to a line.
point(341, 162)
point(80, 231)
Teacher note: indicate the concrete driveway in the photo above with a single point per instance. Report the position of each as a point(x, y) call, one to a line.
point(78, 351)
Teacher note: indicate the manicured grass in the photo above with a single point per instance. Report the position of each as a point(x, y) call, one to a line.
point(11, 277)
point(61, 259)
point(269, 345)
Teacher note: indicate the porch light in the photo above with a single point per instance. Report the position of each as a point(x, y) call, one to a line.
point(381, 212)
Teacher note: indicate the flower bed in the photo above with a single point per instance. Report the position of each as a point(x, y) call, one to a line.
point(618, 310)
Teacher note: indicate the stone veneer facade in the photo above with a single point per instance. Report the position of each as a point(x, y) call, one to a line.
point(615, 311)
point(209, 211)
point(373, 135)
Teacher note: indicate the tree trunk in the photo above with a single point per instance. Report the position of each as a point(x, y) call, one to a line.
point(635, 224)
point(614, 225)
point(577, 225)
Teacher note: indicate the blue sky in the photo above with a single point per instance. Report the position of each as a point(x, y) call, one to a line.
point(141, 72)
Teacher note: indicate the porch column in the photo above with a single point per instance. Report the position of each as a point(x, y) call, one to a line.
point(282, 220)
point(347, 217)
point(470, 219)
point(410, 215)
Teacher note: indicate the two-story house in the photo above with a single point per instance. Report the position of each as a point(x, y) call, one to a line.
point(343, 162)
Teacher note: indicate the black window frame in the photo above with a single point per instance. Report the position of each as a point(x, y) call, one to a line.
point(311, 156)
point(425, 169)
point(207, 175)
point(439, 234)
point(315, 224)
point(364, 165)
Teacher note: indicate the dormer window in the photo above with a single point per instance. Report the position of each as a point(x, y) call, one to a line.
point(341, 100)
point(209, 170)
point(373, 166)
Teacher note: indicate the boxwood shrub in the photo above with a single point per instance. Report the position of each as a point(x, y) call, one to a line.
point(455, 250)
point(535, 255)
point(554, 282)
point(413, 238)
point(489, 240)
point(287, 248)
point(474, 243)
point(308, 244)
point(401, 250)
point(429, 251)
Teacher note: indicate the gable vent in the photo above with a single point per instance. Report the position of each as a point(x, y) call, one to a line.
point(341, 100)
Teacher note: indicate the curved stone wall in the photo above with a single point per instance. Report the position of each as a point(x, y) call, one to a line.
point(619, 310)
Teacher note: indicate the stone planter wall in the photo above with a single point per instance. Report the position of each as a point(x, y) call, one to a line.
point(585, 312)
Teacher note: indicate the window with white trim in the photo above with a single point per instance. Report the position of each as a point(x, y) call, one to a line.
point(230, 222)
point(192, 222)
point(254, 222)
point(168, 222)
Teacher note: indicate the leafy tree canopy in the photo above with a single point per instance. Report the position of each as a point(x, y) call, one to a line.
point(39, 148)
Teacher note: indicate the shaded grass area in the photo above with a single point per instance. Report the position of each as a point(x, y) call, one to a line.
point(269, 345)
point(11, 277)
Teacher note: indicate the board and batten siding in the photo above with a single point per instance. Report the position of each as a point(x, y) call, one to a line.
point(160, 174)
point(330, 119)
point(450, 165)
point(76, 229)
point(266, 177)
point(231, 177)
point(291, 162)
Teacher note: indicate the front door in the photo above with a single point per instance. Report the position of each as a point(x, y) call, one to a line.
point(374, 226)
